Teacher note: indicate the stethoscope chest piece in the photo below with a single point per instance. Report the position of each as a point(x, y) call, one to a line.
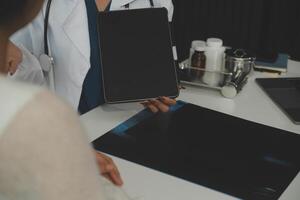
point(46, 62)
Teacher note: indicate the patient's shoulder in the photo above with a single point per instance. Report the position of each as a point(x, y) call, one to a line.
point(14, 96)
point(34, 105)
point(49, 107)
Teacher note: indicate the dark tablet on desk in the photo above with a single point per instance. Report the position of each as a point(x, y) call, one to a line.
point(285, 92)
point(244, 159)
point(136, 55)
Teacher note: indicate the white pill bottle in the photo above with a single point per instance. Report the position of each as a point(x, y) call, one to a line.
point(214, 52)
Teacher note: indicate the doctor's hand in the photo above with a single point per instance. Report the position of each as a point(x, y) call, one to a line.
point(13, 57)
point(162, 104)
point(108, 169)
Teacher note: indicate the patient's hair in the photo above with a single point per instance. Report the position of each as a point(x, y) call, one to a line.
point(10, 10)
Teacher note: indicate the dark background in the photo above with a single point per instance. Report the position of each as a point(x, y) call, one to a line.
point(264, 27)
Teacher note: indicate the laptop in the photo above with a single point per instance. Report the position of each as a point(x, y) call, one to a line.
point(285, 92)
point(136, 55)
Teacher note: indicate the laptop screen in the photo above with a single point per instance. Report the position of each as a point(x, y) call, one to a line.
point(285, 92)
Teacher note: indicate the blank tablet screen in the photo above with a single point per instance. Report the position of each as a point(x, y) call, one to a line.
point(136, 55)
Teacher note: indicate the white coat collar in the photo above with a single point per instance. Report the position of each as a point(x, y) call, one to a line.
point(76, 27)
point(116, 4)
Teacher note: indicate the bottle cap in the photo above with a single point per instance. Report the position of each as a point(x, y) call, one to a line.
point(199, 48)
point(214, 42)
point(197, 43)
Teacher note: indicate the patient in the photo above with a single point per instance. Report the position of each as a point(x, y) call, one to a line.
point(43, 151)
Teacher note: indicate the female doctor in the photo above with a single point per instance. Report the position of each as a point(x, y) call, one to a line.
point(72, 40)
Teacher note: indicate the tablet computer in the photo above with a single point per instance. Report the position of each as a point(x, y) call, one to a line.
point(250, 161)
point(136, 55)
point(285, 92)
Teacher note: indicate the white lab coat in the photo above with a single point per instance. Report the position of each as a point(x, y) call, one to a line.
point(69, 44)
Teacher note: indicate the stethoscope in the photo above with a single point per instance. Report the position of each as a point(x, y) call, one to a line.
point(45, 59)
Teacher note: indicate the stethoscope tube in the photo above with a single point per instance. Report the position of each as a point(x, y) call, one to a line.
point(46, 25)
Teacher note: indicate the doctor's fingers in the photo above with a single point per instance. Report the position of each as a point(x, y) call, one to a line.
point(148, 105)
point(159, 105)
point(167, 101)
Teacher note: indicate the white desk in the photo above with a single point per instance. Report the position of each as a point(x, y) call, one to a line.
point(147, 184)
